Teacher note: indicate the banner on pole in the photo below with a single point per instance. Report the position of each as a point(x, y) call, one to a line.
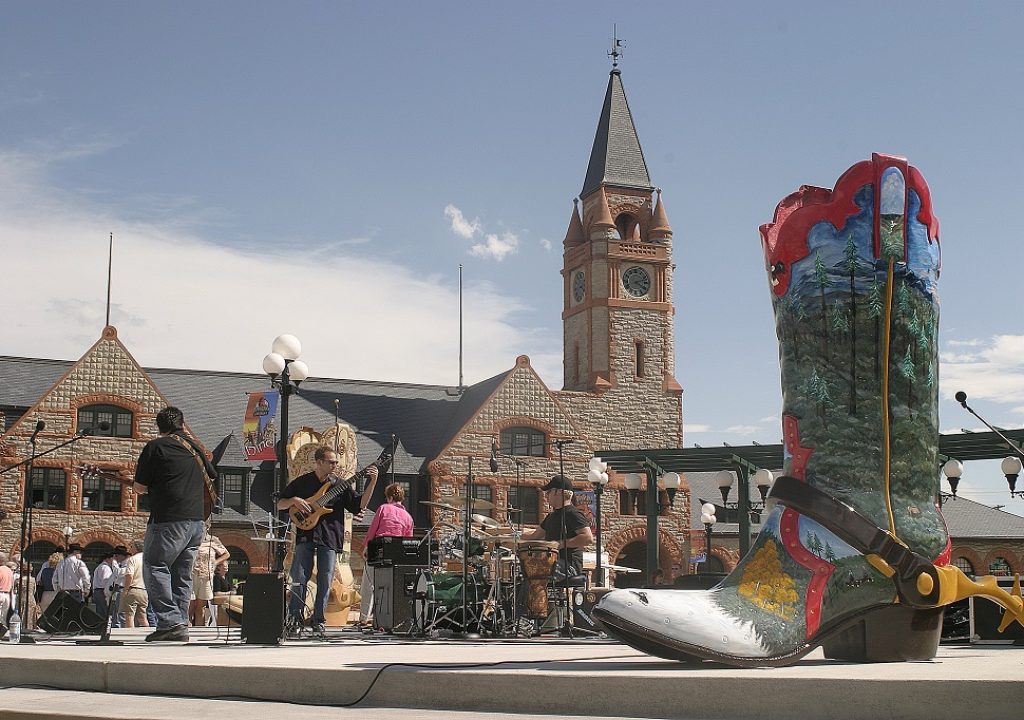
point(259, 429)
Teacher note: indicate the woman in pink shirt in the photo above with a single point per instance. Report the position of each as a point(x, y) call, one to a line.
point(390, 520)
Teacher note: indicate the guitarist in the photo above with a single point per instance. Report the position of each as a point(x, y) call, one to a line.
point(174, 471)
point(325, 540)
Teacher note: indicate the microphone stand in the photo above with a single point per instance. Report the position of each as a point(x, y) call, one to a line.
point(566, 630)
point(465, 546)
point(961, 397)
point(26, 519)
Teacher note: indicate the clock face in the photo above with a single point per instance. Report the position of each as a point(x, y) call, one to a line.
point(636, 281)
point(579, 288)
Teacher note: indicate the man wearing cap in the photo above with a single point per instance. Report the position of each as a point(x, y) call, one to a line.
point(107, 575)
point(171, 469)
point(566, 525)
point(72, 575)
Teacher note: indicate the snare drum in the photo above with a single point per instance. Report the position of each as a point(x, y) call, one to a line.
point(538, 558)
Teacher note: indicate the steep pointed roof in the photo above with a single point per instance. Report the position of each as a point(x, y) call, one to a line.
point(659, 223)
point(616, 158)
point(574, 235)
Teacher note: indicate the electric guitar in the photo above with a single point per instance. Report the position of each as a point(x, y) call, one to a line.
point(321, 500)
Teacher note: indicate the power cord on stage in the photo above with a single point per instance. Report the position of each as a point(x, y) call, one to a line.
point(369, 688)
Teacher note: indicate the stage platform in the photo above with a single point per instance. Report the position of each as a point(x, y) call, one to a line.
point(543, 676)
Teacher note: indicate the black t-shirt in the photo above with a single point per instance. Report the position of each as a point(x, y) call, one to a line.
point(330, 531)
point(175, 482)
point(574, 522)
point(220, 583)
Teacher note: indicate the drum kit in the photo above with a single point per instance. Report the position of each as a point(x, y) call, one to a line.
point(474, 583)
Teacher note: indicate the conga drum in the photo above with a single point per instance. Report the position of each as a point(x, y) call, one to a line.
point(537, 559)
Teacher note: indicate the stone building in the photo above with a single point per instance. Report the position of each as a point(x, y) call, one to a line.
point(619, 391)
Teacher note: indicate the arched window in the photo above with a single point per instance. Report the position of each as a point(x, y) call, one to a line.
point(965, 565)
point(999, 566)
point(93, 553)
point(38, 553)
point(116, 420)
point(523, 441)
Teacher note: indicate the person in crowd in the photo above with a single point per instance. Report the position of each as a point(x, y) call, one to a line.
point(563, 515)
point(390, 520)
point(30, 616)
point(324, 541)
point(221, 584)
point(173, 470)
point(108, 575)
point(72, 575)
point(44, 581)
point(134, 599)
point(6, 589)
point(211, 552)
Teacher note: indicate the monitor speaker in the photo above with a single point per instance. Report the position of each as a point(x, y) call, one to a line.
point(66, 614)
point(394, 590)
point(263, 609)
point(583, 602)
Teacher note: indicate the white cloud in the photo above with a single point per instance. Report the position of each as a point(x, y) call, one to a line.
point(743, 429)
point(460, 225)
point(995, 372)
point(546, 244)
point(696, 428)
point(180, 300)
point(496, 247)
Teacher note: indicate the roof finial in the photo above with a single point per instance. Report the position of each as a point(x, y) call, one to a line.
point(615, 53)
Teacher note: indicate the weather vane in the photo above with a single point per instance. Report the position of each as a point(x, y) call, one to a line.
point(615, 53)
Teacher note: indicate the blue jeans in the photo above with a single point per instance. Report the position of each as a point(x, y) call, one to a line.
point(302, 570)
point(167, 559)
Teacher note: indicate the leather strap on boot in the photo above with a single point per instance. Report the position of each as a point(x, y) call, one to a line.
point(899, 562)
point(919, 583)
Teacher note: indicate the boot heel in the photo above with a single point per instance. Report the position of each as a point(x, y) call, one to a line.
point(895, 633)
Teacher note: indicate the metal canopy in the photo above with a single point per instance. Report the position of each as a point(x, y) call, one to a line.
point(962, 446)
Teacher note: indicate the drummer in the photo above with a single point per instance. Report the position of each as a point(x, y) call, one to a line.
point(578, 535)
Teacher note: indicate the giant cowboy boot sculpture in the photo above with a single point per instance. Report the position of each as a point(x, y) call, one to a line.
point(854, 554)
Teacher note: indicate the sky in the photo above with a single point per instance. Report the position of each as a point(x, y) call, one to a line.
point(325, 168)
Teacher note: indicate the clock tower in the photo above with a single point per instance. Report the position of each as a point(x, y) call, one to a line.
point(617, 269)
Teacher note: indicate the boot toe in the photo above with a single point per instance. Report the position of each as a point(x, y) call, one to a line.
point(685, 622)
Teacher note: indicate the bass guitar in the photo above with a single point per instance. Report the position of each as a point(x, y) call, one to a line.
point(320, 502)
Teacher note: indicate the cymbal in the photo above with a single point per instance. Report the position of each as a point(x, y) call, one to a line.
point(459, 502)
point(443, 506)
point(487, 522)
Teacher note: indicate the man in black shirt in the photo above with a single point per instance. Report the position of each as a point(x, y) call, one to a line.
point(171, 469)
point(325, 540)
point(576, 534)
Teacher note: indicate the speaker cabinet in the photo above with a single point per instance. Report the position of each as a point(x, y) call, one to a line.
point(583, 602)
point(394, 590)
point(65, 614)
point(263, 609)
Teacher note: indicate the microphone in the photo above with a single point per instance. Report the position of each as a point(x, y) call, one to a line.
point(494, 456)
point(40, 426)
point(961, 397)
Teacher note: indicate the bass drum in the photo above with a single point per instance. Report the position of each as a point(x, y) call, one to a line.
point(438, 601)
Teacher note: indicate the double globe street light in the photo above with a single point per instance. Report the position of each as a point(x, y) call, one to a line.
point(286, 371)
point(597, 474)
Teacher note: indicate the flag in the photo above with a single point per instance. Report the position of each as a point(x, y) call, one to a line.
point(259, 428)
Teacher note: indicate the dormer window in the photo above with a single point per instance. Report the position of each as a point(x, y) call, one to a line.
point(116, 420)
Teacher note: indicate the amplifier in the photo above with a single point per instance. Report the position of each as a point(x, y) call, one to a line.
point(383, 551)
point(394, 597)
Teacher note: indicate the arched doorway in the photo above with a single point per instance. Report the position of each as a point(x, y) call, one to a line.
point(633, 555)
point(238, 564)
point(94, 552)
point(39, 552)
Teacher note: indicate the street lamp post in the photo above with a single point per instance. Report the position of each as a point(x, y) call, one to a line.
point(1011, 467)
point(286, 371)
point(763, 479)
point(952, 469)
point(707, 516)
point(597, 474)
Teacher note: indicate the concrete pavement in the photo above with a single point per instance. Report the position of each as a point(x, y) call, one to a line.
point(589, 677)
